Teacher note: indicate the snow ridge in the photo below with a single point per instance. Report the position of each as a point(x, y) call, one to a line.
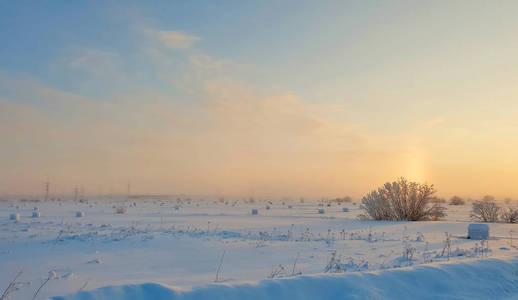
point(482, 279)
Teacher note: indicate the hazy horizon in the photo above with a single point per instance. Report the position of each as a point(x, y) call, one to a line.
point(262, 99)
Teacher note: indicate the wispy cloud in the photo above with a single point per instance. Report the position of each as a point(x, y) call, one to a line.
point(175, 40)
point(92, 60)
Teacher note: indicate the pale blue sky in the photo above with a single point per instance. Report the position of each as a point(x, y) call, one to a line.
point(375, 83)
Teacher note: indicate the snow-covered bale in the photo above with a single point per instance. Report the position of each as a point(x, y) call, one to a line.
point(80, 214)
point(14, 217)
point(36, 214)
point(478, 231)
point(255, 211)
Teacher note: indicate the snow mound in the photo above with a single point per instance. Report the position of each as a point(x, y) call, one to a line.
point(483, 279)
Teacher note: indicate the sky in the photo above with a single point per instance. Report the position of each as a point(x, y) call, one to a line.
point(258, 98)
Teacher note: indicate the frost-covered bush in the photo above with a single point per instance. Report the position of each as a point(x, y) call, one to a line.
point(510, 215)
point(456, 200)
point(401, 200)
point(486, 210)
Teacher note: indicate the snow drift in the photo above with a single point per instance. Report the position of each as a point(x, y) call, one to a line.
point(483, 279)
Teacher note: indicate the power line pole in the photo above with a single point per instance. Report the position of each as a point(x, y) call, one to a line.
point(47, 187)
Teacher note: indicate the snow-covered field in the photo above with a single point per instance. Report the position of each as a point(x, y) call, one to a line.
point(174, 246)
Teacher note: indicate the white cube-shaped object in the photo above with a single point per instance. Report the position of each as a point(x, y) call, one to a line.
point(80, 214)
point(345, 209)
point(478, 231)
point(35, 214)
point(321, 211)
point(255, 211)
point(14, 217)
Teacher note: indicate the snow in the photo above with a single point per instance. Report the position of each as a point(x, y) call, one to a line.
point(485, 279)
point(174, 245)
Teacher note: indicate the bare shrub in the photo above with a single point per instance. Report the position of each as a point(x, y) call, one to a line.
point(446, 250)
point(486, 210)
point(345, 199)
point(219, 266)
point(437, 200)
point(510, 215)
point(278, 271)
point(14, 285)
point(488, 198)
point(120, 210)
point(52, 275)
point(408, 252)
point(334, 264)
point(456, 200)
point(401, 201)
